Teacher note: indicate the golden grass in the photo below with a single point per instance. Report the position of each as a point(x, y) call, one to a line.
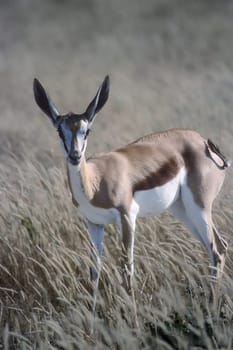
point(44, 273)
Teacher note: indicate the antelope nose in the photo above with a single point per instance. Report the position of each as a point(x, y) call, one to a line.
point(75, 156)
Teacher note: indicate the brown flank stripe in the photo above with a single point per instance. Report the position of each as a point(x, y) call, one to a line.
point(159, 178)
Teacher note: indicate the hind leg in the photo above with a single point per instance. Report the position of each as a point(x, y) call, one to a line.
point(221, 248)
point(179, 212)
point(201, 218)
point(219, 252)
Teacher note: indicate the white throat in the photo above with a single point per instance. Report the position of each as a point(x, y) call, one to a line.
point(75, 180)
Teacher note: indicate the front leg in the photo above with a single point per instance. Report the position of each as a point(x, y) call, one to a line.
point(128, 230)
point(96, 233)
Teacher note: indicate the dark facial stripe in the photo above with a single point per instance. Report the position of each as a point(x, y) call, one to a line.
point(60, 133)
point(163, 175)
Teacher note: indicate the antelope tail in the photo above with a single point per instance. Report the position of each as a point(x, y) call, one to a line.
point(215, 149)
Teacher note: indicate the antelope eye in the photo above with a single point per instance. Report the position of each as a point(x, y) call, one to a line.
point(82, 132)
point(87, 133)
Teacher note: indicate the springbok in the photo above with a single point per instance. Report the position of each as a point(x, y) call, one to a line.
point(175, 170)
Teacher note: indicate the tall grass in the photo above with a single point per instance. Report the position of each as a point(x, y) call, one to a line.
point(45, 291)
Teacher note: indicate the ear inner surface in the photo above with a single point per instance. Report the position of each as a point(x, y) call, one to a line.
point(44, 101)
point(104, 93)
point(99, 100)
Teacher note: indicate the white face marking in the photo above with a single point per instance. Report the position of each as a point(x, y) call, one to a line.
point(75, 139)
point(81, 141)
point(66, 141)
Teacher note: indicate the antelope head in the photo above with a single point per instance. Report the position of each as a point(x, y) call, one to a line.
point(72, 128)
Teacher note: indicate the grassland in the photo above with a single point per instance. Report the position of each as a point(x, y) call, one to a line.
point(170, 64)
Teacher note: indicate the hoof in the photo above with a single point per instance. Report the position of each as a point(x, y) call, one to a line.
point(93, 274)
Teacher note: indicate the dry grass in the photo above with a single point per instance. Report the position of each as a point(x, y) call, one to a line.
point(170, 64)
point(45, 296)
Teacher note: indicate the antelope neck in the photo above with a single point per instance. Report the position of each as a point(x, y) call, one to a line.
point(80, 178)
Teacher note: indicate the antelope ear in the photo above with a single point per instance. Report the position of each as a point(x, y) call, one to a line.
point(44, 101)
point(99, 100)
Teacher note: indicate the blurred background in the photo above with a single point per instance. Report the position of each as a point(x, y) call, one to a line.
point(170, 64)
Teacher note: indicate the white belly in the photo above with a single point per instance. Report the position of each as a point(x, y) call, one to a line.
point(159, 199)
